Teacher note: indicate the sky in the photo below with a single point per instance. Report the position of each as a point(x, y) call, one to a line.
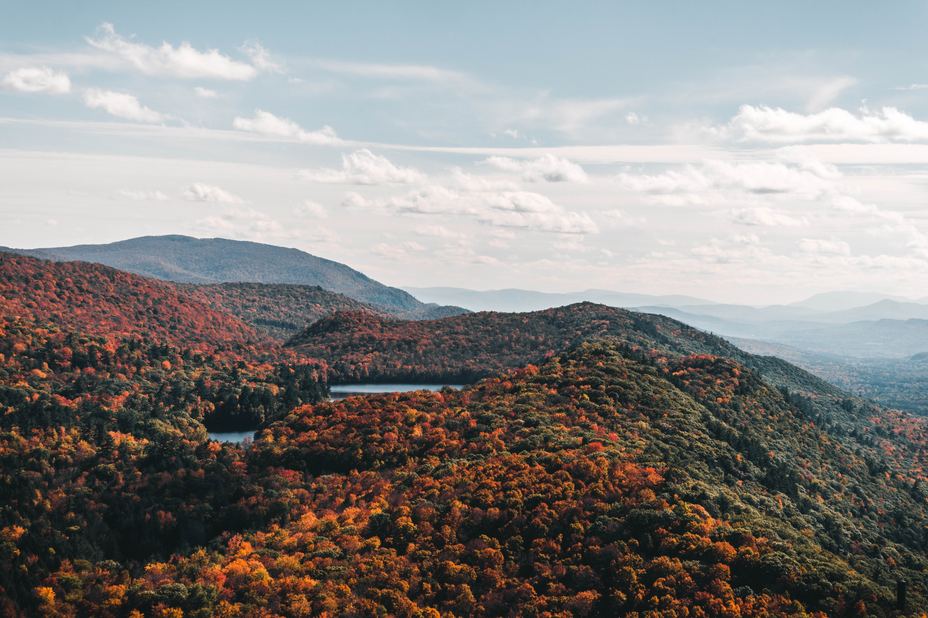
point(741, 152)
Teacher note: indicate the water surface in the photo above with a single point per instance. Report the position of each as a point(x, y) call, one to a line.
point(236, 437)
point(340, 391)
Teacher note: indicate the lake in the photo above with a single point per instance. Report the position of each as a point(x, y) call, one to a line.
point(339, 391)
point(231, 436)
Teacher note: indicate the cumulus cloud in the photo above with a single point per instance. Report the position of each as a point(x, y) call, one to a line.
point(199, 192)
point(143, 196)
point(121, 105)
point(777, 125)
point(548, 168)
point(363, 167)
point(507, 209)
point(37, 79)
point(713, 182)
point(269, 125)
point(183, 61)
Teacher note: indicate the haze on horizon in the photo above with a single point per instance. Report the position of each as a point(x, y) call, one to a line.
point(745, 155)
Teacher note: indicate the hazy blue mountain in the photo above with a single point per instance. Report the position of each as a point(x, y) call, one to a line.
point(882, 310)
point(528, 300)
point(839, 301)
point(218, 260)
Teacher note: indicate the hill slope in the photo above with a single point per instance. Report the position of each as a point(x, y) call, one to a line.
point(280, 310)
point(217, 260)
point(362, 347)
point(99, 300)
point(640, 472)
point(608, 481)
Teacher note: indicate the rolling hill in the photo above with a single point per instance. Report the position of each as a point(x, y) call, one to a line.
point(99, 300)
point(609, 463)
point(280, 310)
point(366, 347)
point(218, 260)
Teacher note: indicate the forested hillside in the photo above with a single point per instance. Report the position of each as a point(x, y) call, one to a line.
point(217, 260)
point(279, 310)
point(608, 481)
point(364, 347)
point(99, 300)
point(611, 463)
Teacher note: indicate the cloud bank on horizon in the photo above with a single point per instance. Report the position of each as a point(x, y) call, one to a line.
point(612, 147)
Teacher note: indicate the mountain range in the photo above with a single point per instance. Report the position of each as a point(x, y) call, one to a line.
point(217, 260)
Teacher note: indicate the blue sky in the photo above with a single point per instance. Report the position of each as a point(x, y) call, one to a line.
point(737, 151)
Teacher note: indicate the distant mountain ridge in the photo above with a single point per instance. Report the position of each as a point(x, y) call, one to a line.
point(185, 259)
point(512, 299)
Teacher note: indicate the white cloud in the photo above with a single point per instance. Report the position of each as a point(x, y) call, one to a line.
point(777, 125)
point(547, 167)
point(199, 192)
point(37, 79)
point(765, 217)
point(715, 182)
point(507, 209)
point(143, 196)
point(261, 57)
point(183, 61)
point(267, 124)
point(205, 93)
point(633, 119)
point(312, 209)
point(821, 246)
point(121, 105)
point(250, 224)
point(363, 167)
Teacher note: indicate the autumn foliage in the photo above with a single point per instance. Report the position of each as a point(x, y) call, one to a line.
point(609, 464)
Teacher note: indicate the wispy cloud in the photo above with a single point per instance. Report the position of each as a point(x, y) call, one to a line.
point(548, 168)
point(267, 124)
point(37, 79)
point(199, 192)
point(183, 61)
point(121, 105)
point(777, 125)
point(363, 167)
